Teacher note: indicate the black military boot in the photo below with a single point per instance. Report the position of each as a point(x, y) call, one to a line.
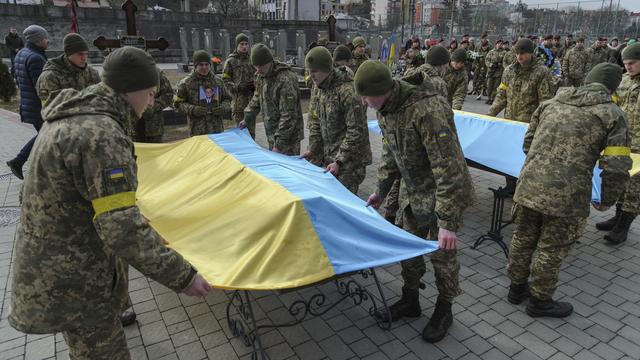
point(128, 318)
point(407, 306)
point(439, 323)
point(619, 232)
point(548, 308)
point(518, 293)
point(608, 225)
point(16, 168)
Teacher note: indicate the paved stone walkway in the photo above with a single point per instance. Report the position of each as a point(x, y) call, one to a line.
point(602, 282)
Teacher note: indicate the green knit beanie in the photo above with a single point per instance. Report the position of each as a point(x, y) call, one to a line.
point(459, 55)
point(260, 55)
point(524, 46)
point(201, 56)
point(129, 69)
point(631, 52)
point(373, 78)
point(74, 43)
point(240, 38)
point(341, 53)
point(357, 41)
point(607, 74)
point(438, 55)
point(319, 58)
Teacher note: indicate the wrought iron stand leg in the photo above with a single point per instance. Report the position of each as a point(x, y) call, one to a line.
point(258, 350)
point(497, 224)
point(386, 325)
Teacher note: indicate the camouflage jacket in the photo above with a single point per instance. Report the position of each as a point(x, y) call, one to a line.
point(479, 64)
point(339, 128)
point(207, 91)
point(558, 51)
point(493, 61)
point(521, 91)
point(237, 71)
point(575, 64)
point(58, 74)
point(508, 58)
point(566, 136)
point(427, 77)
point(597, 56)
point(457, 82)
point(277, 98)
point(152, 117)
point(356, 61)
point(80, 226)
point(421, 147)
point(628, 98)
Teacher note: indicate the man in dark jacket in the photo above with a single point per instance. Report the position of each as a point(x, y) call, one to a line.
point(29, 63)
point(14, 43)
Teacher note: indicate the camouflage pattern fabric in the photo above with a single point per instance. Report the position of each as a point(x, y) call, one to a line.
point(564, 141)
point(339, 131)
point(356, 61)
point(480, 70)
point(105, 341)
point(521, 90)
point(597, 56)
point(391, 203)
point(508, 59)
point(236, 74)
point(277, 98)
point(151, 126)
point(558, 51)
point(79, 225)
point(493, 62)
point(58, 74)
point(457, 83)
point(426, 77)
point(575, 66)
point(628, 98)
point(539, 245)
point(197, 94)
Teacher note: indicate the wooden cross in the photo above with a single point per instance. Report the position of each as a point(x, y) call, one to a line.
point(331, 22)
point(132, 38)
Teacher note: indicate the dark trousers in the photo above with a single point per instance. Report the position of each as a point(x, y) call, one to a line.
point(12, 55)
point(23, 155)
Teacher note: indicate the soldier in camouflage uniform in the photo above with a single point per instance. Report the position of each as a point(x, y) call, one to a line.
point(203, 97)
point(524, 85)
point(421, 148)
point(80, 226)
point(277, 98)
point(598, 52)
point(339, 136)
point(67, 71)
point(150, 128)
point(429, 75)
point(567, 136)
point(575, 64)
point(628, 98)
point(456, 79)
point(359, 55)
point(557, 48)
point(239, 78)
point(509, 57)
point(493, 61)
point(480, 69)
point(342, 57)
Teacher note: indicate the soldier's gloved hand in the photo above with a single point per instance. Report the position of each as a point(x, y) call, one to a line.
point(199, 111)
point(217, 111)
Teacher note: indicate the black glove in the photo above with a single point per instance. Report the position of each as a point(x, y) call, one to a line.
point(199, 111)
point(217, 111)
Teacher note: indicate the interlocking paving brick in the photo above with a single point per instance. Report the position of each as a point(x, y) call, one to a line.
point(335, 348)
point(530, 341)
point(41, 348)
point(184, 337)
point(191, 351)
point(160, 349)
point(606, 352)
point(154, 333)
point(309, 351)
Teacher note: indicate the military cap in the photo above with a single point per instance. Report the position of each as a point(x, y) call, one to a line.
point(74, 43)
point(459, 55)
point(240, 38)
point(129, 69)
point(631, 52)
point(341, 53)
point(319, 58)
point(201, 56)
point(499, 41)
point(438, 55)
point(373, 78)
point(524, 46)
point(358, 41)
point(260, 55)
point(607, 74)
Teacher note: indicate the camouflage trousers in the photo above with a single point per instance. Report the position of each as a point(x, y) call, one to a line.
point(445, 262)
point(573, 82)
point(106, 341)
point(352, 178)
point(551, 238)
point(205, 125)
point(479, 81)
point(290, 149)
point(492, 85)
point(631, 198)
point(391, 203)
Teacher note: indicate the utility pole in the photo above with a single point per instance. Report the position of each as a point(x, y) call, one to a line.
point(453, 6)
point(413, 14)
point(615, 21)
point(402, 31)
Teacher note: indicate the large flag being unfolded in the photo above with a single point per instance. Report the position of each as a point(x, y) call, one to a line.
point(249, 218)
point(74, 17)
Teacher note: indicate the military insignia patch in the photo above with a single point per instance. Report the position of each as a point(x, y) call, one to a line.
point(116, 174)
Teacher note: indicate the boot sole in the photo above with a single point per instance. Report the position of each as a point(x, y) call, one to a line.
point(517, 301)
point(383, 317)
point(439, 338)
point(545, 314)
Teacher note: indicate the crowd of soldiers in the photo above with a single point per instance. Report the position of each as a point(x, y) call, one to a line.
point(78, 199)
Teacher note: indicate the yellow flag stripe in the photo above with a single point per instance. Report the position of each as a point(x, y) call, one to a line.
point(112, 202)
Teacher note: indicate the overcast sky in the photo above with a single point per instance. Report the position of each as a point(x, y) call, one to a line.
point(633, 5)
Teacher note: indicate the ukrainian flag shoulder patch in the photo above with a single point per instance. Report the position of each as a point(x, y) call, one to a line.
point(115, 174)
